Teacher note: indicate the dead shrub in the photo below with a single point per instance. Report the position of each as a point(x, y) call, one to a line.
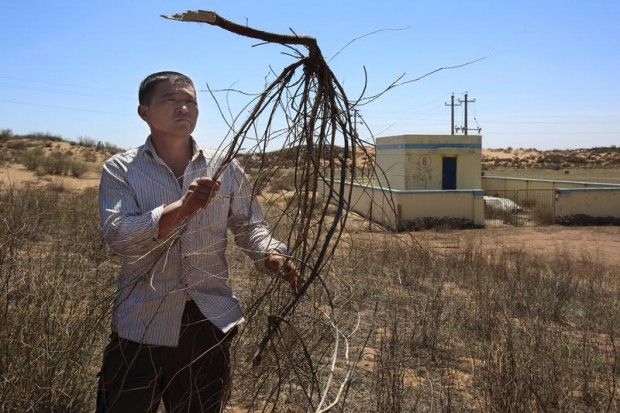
point(54, 299)
point(463, 328)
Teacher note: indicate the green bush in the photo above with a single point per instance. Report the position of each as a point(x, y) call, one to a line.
point(18, 144)
point(87, 142)
point(112, 149)
point(283, 180)
point(57, 163)
point(5, 135)
point(78, 168)
point(40, 136)
point(89, 157)
point(32, 158)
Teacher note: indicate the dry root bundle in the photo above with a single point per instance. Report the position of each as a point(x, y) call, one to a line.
point(307, 108)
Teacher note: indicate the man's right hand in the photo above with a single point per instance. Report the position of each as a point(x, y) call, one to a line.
point(198, 195)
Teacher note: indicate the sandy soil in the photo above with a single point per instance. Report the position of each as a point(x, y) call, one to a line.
point(508, 154)
point(14, 174)
point(599, 244)
point(596, 243)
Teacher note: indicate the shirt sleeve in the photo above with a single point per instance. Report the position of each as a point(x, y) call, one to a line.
point(247, 222)
point(125, 227)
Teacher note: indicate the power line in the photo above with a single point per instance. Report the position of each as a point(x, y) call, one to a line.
point(47, 82)
point(62, 107)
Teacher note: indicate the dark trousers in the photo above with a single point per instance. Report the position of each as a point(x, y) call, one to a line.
point(192, 377)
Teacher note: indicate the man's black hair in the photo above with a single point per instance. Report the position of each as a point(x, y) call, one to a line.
point(147, 87)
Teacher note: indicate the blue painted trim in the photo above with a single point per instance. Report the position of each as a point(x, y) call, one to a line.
point(430, 146)
point(567, 191)
point(587, 184)
point(475, 192)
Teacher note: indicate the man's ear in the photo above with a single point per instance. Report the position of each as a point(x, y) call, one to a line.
point(143, 112)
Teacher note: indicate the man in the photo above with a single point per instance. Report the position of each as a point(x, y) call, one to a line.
point(175, 314)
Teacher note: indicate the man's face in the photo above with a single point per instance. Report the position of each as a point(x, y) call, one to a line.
point(172, 111)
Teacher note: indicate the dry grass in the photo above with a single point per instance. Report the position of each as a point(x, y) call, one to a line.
point(473, 329)
point(467, 328)
point(415, 322)
point(56, 278)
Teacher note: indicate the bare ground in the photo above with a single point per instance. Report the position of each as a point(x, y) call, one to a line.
point(17, 175)
point(598, 244)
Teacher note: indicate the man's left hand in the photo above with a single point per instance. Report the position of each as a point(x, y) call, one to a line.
point(285, 268)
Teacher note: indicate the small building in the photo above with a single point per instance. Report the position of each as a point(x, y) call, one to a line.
point(423, 176)
point(418, 177)
point(427, 162)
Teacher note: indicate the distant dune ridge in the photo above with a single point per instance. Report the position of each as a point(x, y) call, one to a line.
point(89, 151)
point(601, 157)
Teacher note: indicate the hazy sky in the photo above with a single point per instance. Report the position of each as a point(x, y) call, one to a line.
point(549, 79)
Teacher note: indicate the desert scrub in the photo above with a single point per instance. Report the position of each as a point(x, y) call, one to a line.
point(55, 163)
point(32, 158)
point(56, 282)
point(78, 168)
point(461, 329)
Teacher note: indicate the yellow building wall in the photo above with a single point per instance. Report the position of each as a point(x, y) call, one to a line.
point(374, 203)
point(592, 202)
point(500, 183)
point(454, 204)
point(415, 162)
point(595, 199)
point(395, 207)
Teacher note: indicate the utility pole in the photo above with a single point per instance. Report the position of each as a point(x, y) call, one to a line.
point(465, 128)
point(452, 105)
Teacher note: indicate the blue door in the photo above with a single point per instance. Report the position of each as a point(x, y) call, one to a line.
point(448, 173)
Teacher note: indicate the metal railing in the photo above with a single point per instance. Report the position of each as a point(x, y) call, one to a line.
point(519, 207)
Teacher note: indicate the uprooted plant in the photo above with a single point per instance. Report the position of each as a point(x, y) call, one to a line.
point(307, 105)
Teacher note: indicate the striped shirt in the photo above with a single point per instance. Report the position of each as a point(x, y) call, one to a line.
point(158, 276)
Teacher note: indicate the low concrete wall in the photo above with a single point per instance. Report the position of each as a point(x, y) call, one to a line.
point(501, 183)
point(599, 202)
point(396, 207)
point(595, 199)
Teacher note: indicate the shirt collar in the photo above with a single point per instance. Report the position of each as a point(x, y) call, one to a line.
point(196, 149)
point(149, 148)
